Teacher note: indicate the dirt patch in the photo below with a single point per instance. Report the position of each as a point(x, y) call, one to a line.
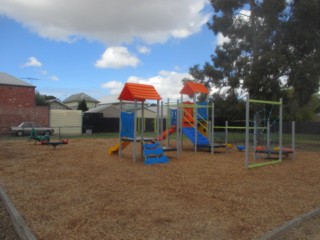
point(78, 191)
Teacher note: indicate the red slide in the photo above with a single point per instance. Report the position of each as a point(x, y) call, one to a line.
point(164, 134)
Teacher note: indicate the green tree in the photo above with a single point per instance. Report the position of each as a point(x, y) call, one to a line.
point(273, 47)
point(41, 100)
point(82, 105)
point(251, 60)
point(302, 38)
point(294, 112)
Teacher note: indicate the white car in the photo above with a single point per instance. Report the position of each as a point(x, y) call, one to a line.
point(26, 128)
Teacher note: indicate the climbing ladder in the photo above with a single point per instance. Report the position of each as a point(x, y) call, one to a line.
point(153, 153)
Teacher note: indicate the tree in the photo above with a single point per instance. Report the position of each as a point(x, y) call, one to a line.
point(294, 112)
point(82, 106)
point(273, 47)
point(41, 100)
point(302, 36)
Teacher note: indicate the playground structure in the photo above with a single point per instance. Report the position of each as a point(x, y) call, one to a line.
point(194, 119)
point(55, 143)
point(153, 153)
point(38, 138)
point(267, 149)
point(191, 119)
point(45, 140)
point(134, 92)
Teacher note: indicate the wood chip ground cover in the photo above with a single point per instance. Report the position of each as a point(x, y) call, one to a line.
point(78, 191)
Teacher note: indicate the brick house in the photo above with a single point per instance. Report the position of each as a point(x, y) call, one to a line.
point(17, 104)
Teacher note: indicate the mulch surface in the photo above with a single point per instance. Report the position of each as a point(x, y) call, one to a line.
point(78, 191)
point(7, 230)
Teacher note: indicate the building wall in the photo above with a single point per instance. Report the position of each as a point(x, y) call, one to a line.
point(66, 122)
point(17, 96)
point(74, 105)
point(17, 104)
point(13, 116)
point(55, 105)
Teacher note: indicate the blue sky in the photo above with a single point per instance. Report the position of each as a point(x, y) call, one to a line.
point(101, 44)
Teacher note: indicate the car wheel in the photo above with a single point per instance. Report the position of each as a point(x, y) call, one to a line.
point(47, 133)
point(19, 133)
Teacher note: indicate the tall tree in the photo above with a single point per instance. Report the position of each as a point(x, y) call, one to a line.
point(41, 100)
point(302, 38)
point(82, 105)
point(273, 46)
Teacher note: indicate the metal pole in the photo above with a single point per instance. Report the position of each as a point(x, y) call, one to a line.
point(226, 136)
point(135, 131)
point(168, 123)
point(293, 130)
point(195, 115)
point(120, 127)
point(247, 132)
point(178, 129)
point(268, 137)
point(142, 120)
point(255, 139)
point(280, 130)
point(157, 120)
point(212, 129)
point(161, 122)
point(180, 107)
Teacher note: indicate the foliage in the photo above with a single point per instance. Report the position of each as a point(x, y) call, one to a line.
point(294, 112)
point(82, 106)
point(228, 107)
point(41, 100)
point(273, 48)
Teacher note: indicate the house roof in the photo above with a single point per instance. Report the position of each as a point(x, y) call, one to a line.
point(79, 97)
point(100, 108)
point(191, 88)
point(127, 108)
point(58, 102)
point(139, 92)
point(6, 79)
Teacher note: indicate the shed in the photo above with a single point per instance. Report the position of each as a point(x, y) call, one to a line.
point(66, 122)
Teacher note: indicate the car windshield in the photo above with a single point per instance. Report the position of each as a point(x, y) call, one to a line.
point(25, 125)
point(29, 125)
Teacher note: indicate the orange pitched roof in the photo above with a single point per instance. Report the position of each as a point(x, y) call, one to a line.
point(141, 92)
point(191, 88)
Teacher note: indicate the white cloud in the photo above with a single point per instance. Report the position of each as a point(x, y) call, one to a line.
point(117, 57)
point(43, 72)
point(109, 99)
point(244, 14)
point(115, 87)
point(54, 78)
point(32, 62)
point(168, 84)
point(109, 21)
point(221, 39)
point(143, 49)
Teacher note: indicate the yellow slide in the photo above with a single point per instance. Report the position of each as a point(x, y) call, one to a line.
point(115, 148)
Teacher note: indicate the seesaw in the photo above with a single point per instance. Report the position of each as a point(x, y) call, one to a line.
point(55, 144)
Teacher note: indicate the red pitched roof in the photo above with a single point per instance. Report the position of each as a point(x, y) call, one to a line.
point(141, 92)
point(191, 88)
